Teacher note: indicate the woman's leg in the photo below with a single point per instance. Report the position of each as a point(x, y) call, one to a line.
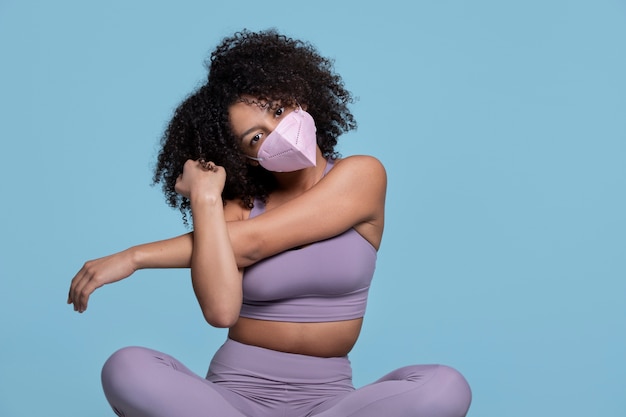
point(140, 382)
point(412, 391)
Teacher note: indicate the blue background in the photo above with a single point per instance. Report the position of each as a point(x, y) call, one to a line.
point(502, 127)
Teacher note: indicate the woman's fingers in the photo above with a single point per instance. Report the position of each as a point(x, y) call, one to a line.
point(80, 289)
point(94, 274)
point(200, 177)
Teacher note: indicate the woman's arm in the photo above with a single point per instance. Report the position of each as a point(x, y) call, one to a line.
point(170, 253)
point(216, 279)
point(351, 195)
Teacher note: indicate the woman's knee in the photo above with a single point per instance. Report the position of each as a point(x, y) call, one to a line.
point(124, 365)
point(455, 391)
point(124, 358)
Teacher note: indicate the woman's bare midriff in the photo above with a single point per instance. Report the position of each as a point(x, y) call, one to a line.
point(314, 339)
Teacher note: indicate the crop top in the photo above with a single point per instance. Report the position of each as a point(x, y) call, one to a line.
point(325, 281)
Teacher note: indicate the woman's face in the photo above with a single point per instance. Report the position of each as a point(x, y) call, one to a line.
point(252, 121)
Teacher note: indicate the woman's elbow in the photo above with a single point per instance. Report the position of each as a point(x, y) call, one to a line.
point(248, 247)
point(221, 318)
point(245, 260)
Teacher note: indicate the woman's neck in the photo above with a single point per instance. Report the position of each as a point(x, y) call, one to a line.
point(292, 184)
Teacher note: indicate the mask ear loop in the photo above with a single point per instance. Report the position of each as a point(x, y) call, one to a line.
point(253, 158)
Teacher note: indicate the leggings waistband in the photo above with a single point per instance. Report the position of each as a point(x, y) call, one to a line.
point(280, 366)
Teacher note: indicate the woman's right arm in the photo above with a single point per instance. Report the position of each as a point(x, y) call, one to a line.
point(360, 183)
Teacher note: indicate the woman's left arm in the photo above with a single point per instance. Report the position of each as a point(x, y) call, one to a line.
point(351, 195)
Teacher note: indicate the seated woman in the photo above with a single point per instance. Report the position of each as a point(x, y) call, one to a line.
point(282, 252)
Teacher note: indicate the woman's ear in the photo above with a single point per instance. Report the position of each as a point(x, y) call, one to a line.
point(303, 106)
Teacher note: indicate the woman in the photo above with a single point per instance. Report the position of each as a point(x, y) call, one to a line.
point(282, 253)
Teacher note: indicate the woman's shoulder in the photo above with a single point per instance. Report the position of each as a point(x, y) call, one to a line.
point(235, 210)
point(359, 159)
point(359, 166)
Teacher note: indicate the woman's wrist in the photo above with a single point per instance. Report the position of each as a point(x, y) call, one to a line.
point(205, 200)
point(136, 257)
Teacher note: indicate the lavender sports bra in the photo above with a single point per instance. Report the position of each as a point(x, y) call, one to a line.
point(325, 281)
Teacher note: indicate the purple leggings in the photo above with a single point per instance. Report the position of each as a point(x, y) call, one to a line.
point(250, 381)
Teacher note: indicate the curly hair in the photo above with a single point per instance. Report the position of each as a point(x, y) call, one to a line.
point(272, 68)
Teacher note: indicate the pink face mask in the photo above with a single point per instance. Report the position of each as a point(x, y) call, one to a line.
point(292, 144)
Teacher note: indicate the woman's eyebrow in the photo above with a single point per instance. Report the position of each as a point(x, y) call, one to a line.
point(247, 132)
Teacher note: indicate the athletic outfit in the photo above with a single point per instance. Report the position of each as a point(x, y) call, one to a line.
point(321, 282)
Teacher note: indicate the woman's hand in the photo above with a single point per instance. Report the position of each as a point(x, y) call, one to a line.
point(94, 274)
point(200, 179)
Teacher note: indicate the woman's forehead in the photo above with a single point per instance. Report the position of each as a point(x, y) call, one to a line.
point(243, 114)
point(266, 102)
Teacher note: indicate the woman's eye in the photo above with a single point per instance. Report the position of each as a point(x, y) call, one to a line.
point(255, 139)
point(279, 111)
